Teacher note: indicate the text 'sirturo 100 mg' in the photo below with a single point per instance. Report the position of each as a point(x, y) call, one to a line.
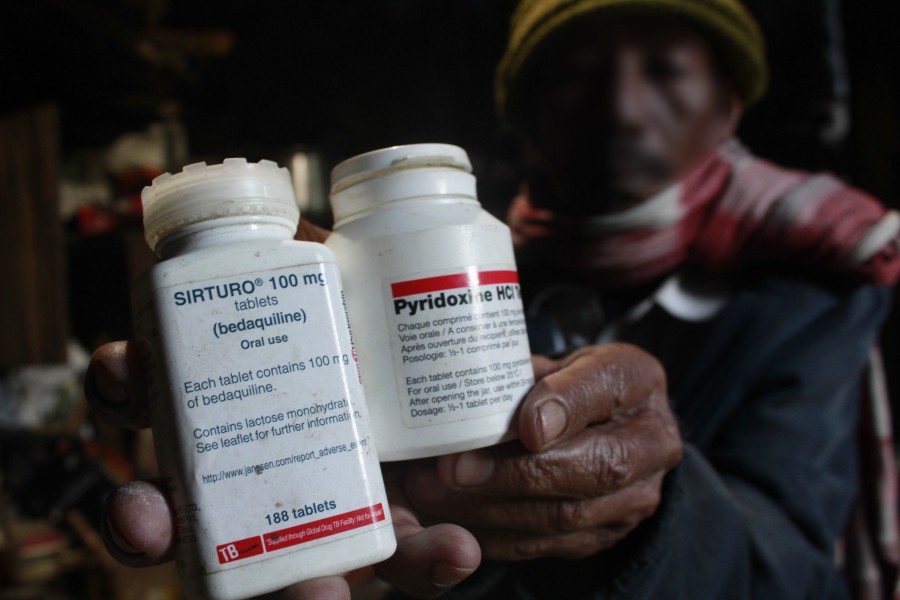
point(258, 415)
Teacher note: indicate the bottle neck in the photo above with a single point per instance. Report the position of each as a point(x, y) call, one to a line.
point(223, 232)
point(402, 185)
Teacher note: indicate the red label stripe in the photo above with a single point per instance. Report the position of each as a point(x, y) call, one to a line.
point(450, 282)
point(314, 530)
point(299, 534)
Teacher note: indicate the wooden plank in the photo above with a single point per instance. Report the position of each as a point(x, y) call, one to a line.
point(33, 319)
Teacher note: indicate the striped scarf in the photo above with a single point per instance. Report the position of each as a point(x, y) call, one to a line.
point(733, 210)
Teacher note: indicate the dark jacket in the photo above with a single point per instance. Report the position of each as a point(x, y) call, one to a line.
point(766, 393)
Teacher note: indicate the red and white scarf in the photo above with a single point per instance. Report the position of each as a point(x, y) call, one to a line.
point(732, 210)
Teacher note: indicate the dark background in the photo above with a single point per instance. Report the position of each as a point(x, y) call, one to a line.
point(353, 76)
point(257, 78)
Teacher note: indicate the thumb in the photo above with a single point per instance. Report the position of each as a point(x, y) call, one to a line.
point(429, 560)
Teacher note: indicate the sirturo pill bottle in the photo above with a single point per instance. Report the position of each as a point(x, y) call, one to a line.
point(258, 414)
point(433, 296)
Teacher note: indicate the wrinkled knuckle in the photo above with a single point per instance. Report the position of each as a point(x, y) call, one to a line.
point(612, 380)
point(569, 516)
point(611, 460)
point(601, 377)
point(535, 474)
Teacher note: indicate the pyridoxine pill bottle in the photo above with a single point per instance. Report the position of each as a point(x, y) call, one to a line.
point(258, 414)
point(433, 296)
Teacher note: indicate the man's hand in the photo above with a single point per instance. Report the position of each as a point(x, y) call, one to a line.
point(138, 522)
point(596, 438)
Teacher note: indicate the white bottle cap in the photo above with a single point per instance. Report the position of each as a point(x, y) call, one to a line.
point(400, 173)
point(201, 193)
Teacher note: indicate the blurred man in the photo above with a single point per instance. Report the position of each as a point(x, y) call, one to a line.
point(646, 222)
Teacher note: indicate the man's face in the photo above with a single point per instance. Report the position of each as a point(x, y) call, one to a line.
point(623, 112)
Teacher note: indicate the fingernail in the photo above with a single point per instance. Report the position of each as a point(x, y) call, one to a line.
point(118, 541)
point(445, 575)
point(108, 386)
point(551, 419)
point(473, 468)
point(427, 487)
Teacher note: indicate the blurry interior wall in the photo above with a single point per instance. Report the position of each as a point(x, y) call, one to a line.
point(255, 80)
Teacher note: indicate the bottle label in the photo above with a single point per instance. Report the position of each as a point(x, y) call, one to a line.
point(258, 419)
point(460, 345)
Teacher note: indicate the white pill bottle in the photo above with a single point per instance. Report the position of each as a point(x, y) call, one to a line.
point(258, 414)
point(433, 296)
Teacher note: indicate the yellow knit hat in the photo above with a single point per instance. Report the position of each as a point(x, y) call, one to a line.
point(730, 28)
